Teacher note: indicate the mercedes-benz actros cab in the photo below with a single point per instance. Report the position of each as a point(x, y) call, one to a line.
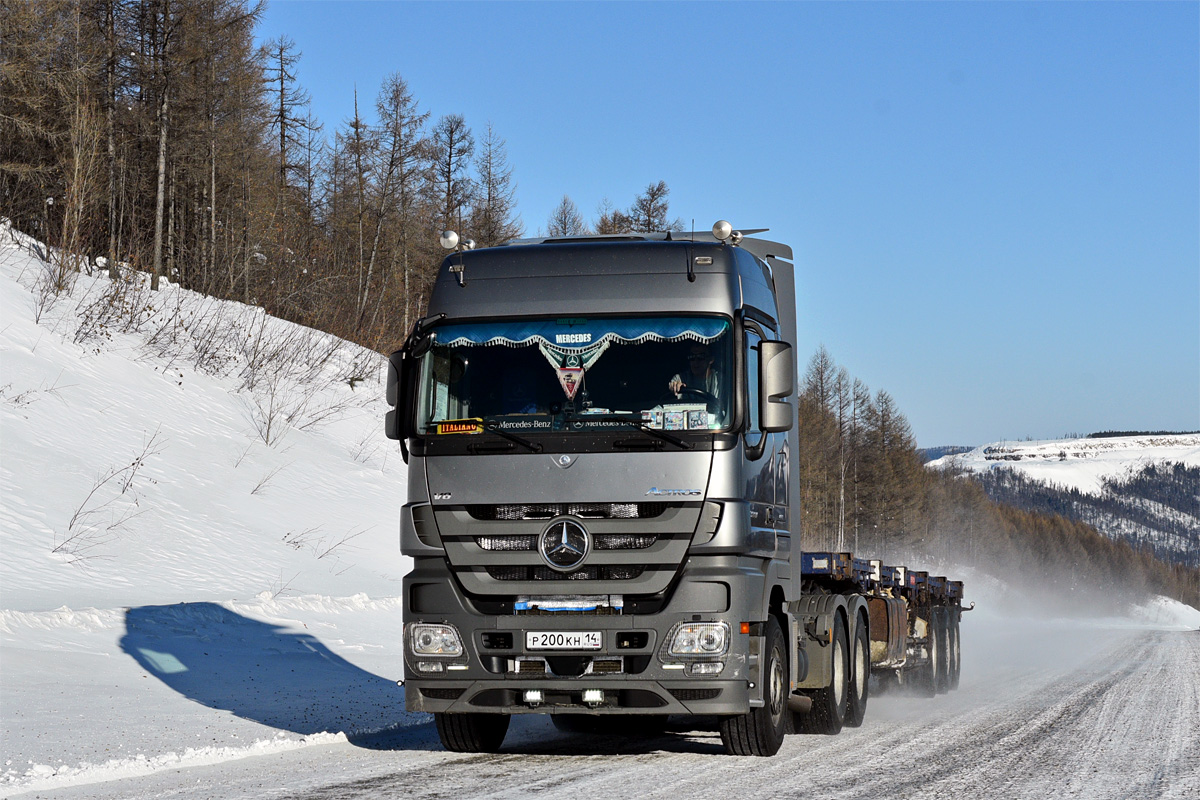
point(602, 505)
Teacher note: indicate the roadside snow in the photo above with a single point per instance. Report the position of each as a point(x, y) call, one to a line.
point(180, 585)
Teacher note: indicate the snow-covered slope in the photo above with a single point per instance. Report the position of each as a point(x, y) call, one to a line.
point(1081, 464)
point(198, 509)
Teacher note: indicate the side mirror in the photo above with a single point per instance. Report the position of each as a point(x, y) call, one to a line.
point(777, 380)
point(395, 364)
point(392, 422)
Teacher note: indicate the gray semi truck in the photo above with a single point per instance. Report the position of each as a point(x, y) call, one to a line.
point(602, 502)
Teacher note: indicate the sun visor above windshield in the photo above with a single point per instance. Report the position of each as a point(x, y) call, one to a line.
point(574, 333)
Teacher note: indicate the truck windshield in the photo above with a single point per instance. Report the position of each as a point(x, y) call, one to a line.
point(573, 374)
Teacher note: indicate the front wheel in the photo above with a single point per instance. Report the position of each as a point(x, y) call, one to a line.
point(760, 732)
point(471, 733)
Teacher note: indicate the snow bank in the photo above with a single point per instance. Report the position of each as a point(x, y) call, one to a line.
point(200, 532)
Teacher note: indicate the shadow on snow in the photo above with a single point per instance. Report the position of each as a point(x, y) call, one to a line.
point(261, 672)
point(292, 682)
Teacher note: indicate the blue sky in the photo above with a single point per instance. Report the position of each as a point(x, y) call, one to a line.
point(995, 207)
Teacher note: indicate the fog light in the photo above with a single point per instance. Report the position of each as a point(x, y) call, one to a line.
point(532, 697)
point(593, 697)
point(706, 668)
point(431, 666)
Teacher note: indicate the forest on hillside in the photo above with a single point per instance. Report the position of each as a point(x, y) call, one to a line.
point(155, 133)
point(864, 488)
point(1155, 508)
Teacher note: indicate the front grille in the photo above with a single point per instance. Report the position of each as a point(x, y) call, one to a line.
point(593, 666)
point(592, 573)
point(583, 510)
point(624, 541)
point(442, 694)
point(691, 695)
point(521, 541)
point(526, 542)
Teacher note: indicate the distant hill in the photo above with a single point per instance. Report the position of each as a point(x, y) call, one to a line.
point(933, 453)
point(1140, 488)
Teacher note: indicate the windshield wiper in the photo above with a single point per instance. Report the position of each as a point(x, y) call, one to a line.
point(637, 423)
point(492, 427)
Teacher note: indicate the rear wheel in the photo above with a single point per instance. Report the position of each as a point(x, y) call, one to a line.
point(942, 648)
point(830, 704)
point(860, 675)
point(955, 650)
point(760, 732)
point(471, 733)
point(924, 677)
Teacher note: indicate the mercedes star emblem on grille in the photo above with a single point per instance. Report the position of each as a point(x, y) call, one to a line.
point(565, 544)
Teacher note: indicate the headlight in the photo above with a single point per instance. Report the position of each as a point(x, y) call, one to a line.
point(434, 640)
point(699, 639)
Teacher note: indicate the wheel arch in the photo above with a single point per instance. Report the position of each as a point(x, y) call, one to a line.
point(816, 615)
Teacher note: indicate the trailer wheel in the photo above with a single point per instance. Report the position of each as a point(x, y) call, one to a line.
point(955, 650)
point(471, 733)
point(942, 648)
point(860, 675)
point(924, 680)
point(760, 732)
point(830, 704)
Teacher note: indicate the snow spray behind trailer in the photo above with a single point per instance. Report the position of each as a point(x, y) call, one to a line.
point(602, 502)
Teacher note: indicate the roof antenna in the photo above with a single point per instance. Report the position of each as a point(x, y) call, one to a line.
point(691, 249)
point(449, 240)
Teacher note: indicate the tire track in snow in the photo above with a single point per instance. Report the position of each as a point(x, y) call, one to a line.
point(1117, 718)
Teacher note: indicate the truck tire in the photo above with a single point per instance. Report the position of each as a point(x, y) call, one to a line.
point(760, 732)
point(860, 675)
point(471, 733)
point(830, 704)
point(924, 677)
point(941, 674)
point(955, 650)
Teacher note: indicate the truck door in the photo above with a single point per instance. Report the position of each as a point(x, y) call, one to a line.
point(759, 458)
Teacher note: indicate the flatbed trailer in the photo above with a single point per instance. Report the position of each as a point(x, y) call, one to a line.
point(913, 617)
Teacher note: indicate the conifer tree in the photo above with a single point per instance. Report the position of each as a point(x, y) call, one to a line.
point(493, 211)
point(565, 219)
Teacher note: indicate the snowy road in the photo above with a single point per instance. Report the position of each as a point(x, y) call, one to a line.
point(1054, 709)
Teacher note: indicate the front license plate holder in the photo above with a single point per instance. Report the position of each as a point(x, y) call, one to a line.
point(563, 640)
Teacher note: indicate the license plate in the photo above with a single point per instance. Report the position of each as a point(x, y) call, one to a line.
point(562, 640)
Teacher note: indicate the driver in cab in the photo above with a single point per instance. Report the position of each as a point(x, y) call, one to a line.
point(701, 377)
